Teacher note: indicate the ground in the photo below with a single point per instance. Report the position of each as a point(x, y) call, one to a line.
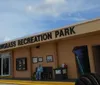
point(20, 82)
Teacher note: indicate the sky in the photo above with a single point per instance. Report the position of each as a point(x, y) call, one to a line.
point(19, 18)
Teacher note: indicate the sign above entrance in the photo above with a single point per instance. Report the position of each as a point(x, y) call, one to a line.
point(40, 38)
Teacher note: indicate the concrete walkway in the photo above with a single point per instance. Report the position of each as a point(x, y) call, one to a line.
point(8, 84)
point(21, 82)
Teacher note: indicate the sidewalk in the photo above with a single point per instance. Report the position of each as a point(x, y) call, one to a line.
point(21, 82)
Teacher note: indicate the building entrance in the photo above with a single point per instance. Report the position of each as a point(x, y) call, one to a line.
point(4, 65)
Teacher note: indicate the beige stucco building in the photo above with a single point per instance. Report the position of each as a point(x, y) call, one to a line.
point(58, 44)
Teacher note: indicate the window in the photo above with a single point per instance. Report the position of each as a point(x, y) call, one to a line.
point(21, 64)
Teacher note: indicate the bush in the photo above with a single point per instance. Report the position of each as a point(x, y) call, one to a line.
point(34, 76)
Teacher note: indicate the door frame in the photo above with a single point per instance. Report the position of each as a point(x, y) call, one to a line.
point(5, 55)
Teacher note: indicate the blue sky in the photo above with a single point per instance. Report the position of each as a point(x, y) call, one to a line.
point(20, 18)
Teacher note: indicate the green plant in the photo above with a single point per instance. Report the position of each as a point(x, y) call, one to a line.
point(33, 76)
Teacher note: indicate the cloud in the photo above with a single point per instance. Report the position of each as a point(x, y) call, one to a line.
point(29, 8)
point(24, 17)
point(6, 39)
point(54, 1)
point(56, 8)
point(74, 19)
point(47, 8)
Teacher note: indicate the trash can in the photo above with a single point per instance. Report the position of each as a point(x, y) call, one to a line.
point(60, 73)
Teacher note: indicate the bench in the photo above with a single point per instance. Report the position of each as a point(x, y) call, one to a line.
point(47, 73)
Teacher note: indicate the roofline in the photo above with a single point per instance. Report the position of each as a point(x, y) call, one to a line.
point(76, 24)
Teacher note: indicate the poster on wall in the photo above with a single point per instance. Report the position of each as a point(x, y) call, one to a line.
point(49, 58)
point(21, 64)
point(40, 59)
point(35, 60)
point(58, 71)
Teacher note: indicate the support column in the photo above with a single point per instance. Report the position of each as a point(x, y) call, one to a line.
point(30, 51)
point(56, 55)
point(12, 63)
point(91, 58)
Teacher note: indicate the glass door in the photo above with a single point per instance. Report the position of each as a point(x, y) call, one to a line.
point(4, 65)
point(0, 66)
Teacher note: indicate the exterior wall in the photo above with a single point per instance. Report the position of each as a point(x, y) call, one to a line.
point(43, 51)
point(65, 48)
point(96, 53)
point(65, 55)
point(11, 65)
point(20, 53)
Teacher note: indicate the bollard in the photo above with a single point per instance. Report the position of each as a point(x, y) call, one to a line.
point(88, 79)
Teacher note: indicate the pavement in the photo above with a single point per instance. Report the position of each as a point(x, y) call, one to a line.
point(8, 84)
point(23, 82)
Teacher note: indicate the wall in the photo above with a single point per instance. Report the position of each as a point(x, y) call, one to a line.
point(96, 53)
point(19, 53)
point(65, 55)
point(43, 51)
point(65, 48)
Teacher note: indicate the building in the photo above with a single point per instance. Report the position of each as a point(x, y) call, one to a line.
point(18, 58)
